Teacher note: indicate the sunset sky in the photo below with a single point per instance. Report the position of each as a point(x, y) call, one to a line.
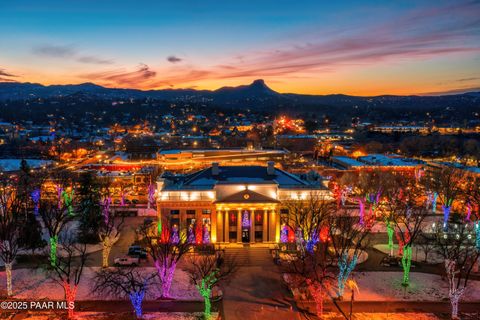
point(317, 47)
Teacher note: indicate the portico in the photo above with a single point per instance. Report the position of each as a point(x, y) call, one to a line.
point(239, 223)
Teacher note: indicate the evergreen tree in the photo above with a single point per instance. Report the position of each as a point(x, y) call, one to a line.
point(24, 185)
point(89, 208)
point(31, 234)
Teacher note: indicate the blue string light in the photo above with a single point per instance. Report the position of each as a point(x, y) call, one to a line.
point(345, 268)
point(137, 298)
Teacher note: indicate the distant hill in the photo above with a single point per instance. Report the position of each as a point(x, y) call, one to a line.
point(255, 95)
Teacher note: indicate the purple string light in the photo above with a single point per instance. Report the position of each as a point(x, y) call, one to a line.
point(245, 220)
point(36, 199)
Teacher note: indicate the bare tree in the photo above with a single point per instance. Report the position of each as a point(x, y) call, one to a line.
point(10, 208)
point(55, 218)
point(126, 282)
point(426, 241)
point(69, 266)
point(348, 238)
point(312, 271)
point(306, 217)
point(448, 183)
point(167, 246)
point(408, 213)
point(472, 197)
point(207, 271)
point(110, 229)
point(458, 248)
point(366, 189)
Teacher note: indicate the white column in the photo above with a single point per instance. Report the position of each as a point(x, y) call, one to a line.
point(265, 226)
point(226, 227)
point(239, 226)
point(252, 226)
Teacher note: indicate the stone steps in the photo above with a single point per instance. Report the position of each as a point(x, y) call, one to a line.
point(250, 256)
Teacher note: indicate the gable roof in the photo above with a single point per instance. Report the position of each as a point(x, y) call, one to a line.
point(247, 196)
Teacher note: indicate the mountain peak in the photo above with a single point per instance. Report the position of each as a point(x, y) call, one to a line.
point(259, 86)
point(258, 82)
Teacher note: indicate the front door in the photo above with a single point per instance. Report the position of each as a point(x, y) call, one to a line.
point(245, 235)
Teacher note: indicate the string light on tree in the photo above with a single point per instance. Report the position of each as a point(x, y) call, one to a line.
point(53, 250)
point(390, 232)
point(284, 234)
point(434, 202)
point(59, 196)
point(469, 211)
point(70, 294)
point(151, 195)
point(406, 264)
point(245, 220)
point(106, 209)
point(191, 234)
point(35, 195)
point(477, 235)
point(175, 237)
point(345, 268)
point(206, 234)
point(68, 201)
point(136, 298)
point(361, 204)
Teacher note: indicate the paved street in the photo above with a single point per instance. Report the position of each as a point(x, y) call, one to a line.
point(120, 248)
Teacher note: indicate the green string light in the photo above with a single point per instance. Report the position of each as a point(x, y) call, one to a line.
point(205, 290)
point(390, 232)
point(159, 226)
point(53, 250)
point(406, 264)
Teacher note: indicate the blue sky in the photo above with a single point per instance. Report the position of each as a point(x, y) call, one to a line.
point(356, 47)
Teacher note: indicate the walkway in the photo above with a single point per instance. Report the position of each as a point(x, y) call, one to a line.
point(256, 291)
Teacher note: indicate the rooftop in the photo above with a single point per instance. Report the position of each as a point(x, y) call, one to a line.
point(205, 179)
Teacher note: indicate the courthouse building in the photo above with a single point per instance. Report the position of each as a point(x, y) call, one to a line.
point(240, 204)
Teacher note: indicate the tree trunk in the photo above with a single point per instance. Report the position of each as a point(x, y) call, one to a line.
point(454, 300)
point(406, 264)
point(166, 276)
point(70, 295)
point(136, 298)
point(8, 271)
point(208, 305)
point(53, 250)
point(107, 247)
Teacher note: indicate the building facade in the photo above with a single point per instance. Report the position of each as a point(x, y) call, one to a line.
point(233, 204)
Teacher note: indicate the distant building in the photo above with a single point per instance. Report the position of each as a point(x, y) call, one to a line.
point(141, 148)
point(199, 158)
point(401, 129)
point(297, 143)
point(377, 161)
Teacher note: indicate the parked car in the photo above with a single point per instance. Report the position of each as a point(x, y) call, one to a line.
point(127, 261)
point(137, 251)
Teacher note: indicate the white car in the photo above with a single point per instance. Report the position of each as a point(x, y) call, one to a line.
point(127, 261)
